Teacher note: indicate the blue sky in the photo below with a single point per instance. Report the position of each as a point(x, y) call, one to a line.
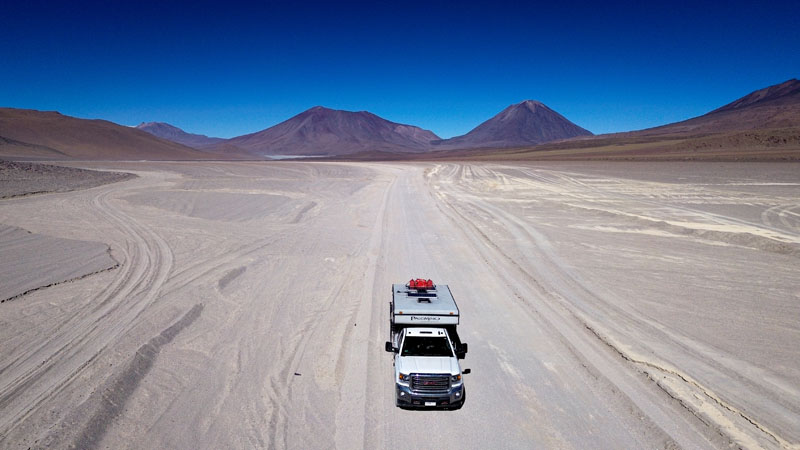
point(226, 69)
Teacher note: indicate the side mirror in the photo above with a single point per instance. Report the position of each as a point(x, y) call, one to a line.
point(466, 371)
point(461, 351)
point(389, 347)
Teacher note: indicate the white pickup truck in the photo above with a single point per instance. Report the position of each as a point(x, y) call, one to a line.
point(426, 346)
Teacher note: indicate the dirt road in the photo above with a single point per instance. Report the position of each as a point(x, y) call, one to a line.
point(605, 305)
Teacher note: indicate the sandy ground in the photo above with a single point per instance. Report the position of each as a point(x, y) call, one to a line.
point(24, 269)
point(606, 306)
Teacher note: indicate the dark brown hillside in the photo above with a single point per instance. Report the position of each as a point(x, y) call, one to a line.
point(31, 134)
point(776, 106)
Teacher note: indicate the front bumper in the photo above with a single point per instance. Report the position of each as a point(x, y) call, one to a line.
point(406, 397)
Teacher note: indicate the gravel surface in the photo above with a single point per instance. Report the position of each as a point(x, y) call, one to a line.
point(21, 178)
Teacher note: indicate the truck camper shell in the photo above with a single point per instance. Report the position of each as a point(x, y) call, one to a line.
point(423, 306)
point(421, 303)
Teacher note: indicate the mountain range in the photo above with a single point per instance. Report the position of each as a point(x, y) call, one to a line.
point(175, 134)
point(321, 131)
point(762, 124)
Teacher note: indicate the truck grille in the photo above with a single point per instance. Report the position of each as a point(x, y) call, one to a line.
point(434, 384)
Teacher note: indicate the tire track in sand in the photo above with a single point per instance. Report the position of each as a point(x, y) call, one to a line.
point(541, 268)
point(45, 367)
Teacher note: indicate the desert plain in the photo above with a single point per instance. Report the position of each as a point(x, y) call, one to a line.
point(245, 305)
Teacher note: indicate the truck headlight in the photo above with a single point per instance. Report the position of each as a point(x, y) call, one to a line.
point(403, 377)
point(455, 378)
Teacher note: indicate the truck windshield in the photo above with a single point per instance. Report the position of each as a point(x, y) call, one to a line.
point(426, 346)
